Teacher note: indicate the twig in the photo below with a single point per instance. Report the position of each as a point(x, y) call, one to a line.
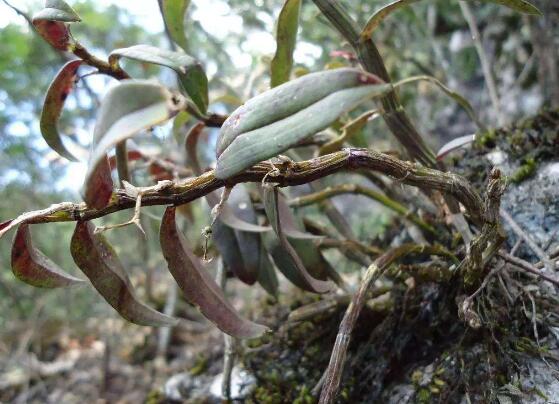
point(341, 189)
point(485, 65)
point(292, 173)
point(164, 333)
point(550, 266)
point(526, 266)
point(337, 359)
point(229, 341)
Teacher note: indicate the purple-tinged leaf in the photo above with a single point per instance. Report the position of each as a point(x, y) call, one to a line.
point(128, 108)
point(198, 286)
point(99, 262)
point(191, 146)
point(51, 23)
point(455, 144)
point(5, 224)
point(283, 253)
point(31, 266)
point(98, 187)
point(57, 93)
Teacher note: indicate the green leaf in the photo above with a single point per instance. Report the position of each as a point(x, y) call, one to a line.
point(99, 262)
point(198, 286)
point(57, 93)
point(283, 253)
point(173, 15)
point(286, 37)
point(522, 6)
point(128, 108)
point(267, 277)
point(280, 118)
point(57, 10)
point(31, 266)
point(192, 77)
point(51, 23)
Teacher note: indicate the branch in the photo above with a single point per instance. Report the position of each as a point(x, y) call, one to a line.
point(286, 173)
point(332, 191)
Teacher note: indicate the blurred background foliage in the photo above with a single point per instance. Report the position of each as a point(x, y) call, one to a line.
point(234, 40)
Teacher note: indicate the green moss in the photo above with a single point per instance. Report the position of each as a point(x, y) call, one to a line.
point(486, 139)
point(424, 396)
point(527, 169)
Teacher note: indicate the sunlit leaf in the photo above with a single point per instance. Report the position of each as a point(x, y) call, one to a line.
point(173, 14)
point(31, 266)
point(126, 109)
point(192, 77)
point(198, 286)
point(283, 253)
point(286, 37)
point(522, 6)
point(57, 93)
point(99, 262)
point(278, 119)
point(455, 144)
point(181, 119)
point(51, 23)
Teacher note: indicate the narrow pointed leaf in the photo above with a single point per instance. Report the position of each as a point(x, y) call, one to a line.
point(31, 266)
point(286, 37)
point(227, 241)
point(249, 242)
point(192, 77)
point(521, 6)
point(99, 262)
point(283, 253)
point(51, 23)
point(243, 149)
point(455, 144)
point(198, 286)
point(173, 15)
point(267, 277)
point(128, 108)
point(57, 93)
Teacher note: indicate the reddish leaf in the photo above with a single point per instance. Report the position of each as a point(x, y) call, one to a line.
point(99, 186)
point(33, 267)
point(191, 144)
point(198, 286)
point(51, 23)
point(5, 224)
point(132, 156)
point(99, 262)
point(57, 93)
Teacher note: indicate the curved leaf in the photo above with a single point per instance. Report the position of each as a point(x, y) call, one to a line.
point(286, 37)
point(267, 141)
point(267, 277)
point(99, 262)
point(455, 144)
point(98, 186)
point(57, 93)
point(128, 108)
point(521, 6)
point(198, 286)
point(192, 77)
point(287, 99)
point(51, 23)
point(173, 15)
point(191, 146)
point(283, 253)
point(31, 266)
